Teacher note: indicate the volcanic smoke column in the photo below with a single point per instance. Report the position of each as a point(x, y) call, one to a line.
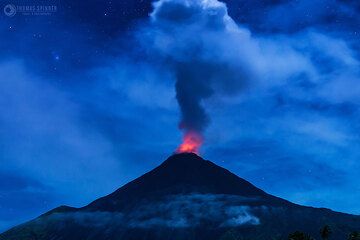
point(191, 89)
point(208, 54)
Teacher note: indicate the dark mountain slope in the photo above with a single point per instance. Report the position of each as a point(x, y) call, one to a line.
point(186, 197)
point(181, 174)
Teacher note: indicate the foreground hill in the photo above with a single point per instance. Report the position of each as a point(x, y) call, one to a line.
point(186, 197)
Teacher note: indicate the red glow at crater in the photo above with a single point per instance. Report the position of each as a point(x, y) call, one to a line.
point(192, 142)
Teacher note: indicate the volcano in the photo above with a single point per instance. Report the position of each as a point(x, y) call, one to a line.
point(186, 197)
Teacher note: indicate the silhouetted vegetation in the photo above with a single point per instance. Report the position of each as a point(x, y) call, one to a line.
point(325, 232)
point(299, 236)
point(231, 235)
point(354, 236)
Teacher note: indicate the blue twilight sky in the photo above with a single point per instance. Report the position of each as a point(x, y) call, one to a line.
point(87, 97)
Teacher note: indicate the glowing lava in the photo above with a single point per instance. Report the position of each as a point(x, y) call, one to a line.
point(191, 143)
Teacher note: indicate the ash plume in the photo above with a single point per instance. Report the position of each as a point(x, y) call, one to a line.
point(192, 37)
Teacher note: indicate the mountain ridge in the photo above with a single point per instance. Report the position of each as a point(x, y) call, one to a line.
point(185, 197)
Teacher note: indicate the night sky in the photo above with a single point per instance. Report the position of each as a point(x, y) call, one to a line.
point(88, 97)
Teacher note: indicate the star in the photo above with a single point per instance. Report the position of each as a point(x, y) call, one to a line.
point(55, 56)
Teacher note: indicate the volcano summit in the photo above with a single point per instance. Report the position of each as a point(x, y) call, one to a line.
point(186, 197)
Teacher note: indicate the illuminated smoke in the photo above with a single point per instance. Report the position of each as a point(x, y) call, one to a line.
point(194, 39)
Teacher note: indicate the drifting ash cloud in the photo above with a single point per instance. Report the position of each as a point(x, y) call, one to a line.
point(186, 35)
point(211, 56)
point(178, 211)
point(193, 210)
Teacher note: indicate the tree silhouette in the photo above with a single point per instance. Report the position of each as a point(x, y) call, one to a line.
point(299, 236)
point(354, 236)
point(34, 236)
point(325, 232)
point(230, 235)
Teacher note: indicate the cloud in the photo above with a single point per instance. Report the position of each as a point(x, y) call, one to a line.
point(240, 217)
point(43, 136)
point(193, 209)
point(210, 55)
point(176, 211)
